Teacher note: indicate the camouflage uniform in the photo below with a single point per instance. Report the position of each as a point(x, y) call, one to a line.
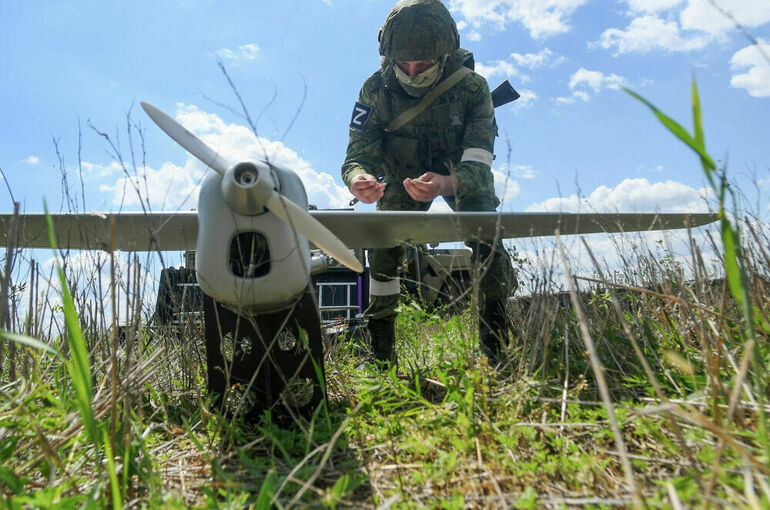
point(455, 136)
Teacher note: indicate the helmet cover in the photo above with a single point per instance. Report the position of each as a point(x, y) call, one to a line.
point(418, 30)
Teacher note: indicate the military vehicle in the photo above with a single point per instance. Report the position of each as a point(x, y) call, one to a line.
point(436, 277)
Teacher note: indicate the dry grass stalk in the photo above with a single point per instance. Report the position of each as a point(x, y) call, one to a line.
point(602, 383)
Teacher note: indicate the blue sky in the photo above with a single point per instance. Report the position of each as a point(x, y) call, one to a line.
point(572, 132)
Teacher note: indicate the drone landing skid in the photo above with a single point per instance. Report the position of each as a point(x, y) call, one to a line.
point(268, 362)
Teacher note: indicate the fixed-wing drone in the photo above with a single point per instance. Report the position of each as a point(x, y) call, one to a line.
point(252, 235)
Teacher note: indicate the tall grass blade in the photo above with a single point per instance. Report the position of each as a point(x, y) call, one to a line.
point(266, 492)
point(78, 365)
point(680, 132)
point(10, 481)
point(28, 341)
point(732, 267)
point(117, 504)
point(735, 269)
point(700, 139)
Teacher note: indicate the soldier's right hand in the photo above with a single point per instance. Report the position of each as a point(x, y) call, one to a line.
point(366, 188)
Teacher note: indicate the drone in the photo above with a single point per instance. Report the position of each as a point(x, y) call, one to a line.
point(252, 235)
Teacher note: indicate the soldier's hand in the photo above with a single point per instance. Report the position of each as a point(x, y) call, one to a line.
point(430, 185)
point(366, 188)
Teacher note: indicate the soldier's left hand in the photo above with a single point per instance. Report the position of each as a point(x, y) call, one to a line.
point(430, 185)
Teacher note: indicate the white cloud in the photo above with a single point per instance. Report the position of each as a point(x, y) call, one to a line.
point(701, 15)
point(542, 18)
point(474, 36)
point(632, 195)
point(596, 80)
point(756, 76)
point(526, 99)
point(239, 143)
point(512, 67)
point(652, 6)
point(242, 54)
point(495, 68)
point(32, 160)
point(678, 26)
point(583, 81)
point(505, 186)
point(579, 94)
point(648, 33)
point(97, 170)
point(650, 169)
point(169, 187)
point(524, 171)
point(543, 58)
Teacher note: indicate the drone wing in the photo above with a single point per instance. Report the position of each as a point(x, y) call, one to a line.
point(383, 229)
point(133, 231)
point(167, 231)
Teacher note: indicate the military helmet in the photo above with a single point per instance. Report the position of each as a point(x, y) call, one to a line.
point(418, 30)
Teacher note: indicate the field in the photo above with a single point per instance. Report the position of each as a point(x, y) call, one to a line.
point(640, 387)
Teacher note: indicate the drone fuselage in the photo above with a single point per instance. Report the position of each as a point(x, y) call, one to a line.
point(249, 259)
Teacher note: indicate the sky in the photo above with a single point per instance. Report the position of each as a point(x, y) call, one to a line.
point(574, 140)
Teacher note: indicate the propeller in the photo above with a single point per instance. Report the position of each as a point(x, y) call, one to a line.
point(276, 203)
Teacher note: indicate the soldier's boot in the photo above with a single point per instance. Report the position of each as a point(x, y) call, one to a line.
point(383, 336)
point(493, 332)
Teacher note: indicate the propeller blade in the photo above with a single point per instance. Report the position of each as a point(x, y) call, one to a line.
point(311, 228)
point(285, 209)
point(187, 140)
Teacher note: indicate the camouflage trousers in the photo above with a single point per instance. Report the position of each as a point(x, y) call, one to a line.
point(497, 278)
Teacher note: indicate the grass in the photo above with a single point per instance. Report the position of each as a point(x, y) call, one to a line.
point(645, 387)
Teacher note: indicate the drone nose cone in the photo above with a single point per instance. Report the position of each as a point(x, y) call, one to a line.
point(246, 188)
point(246, 175)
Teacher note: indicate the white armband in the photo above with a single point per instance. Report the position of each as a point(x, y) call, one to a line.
point(387, 288)
point(478, 155)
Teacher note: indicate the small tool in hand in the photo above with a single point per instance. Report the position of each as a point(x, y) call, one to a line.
point(353, 202)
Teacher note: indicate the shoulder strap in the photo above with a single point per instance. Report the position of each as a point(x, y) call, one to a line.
point(407, 115)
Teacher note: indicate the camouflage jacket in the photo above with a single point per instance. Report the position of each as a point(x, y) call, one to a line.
point(454, 135)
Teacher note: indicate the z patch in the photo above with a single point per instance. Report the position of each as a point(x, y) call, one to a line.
point(360, 117)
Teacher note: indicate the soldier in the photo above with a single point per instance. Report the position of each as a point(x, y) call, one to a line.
point(423, 127)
